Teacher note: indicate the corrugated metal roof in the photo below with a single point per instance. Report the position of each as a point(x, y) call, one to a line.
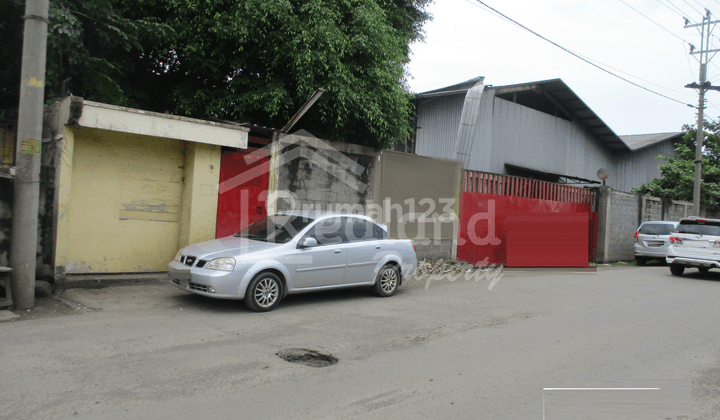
point(454, 89)
point(641, 141)
point(556, 91)
point(569, 102)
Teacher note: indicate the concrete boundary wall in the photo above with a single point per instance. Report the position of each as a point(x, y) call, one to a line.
point(620, 214)
point(311, 173)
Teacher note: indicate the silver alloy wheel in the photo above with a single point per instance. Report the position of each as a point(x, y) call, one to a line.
point(388, 280)
point(267, 292)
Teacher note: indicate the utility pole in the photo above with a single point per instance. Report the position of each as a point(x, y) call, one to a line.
point(23, 246)
point(706, 28)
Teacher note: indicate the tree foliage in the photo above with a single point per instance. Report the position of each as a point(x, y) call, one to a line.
point(678, 174)
point(244, 60)
point(95, 49)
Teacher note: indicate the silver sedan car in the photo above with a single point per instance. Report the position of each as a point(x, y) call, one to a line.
point(295, 252)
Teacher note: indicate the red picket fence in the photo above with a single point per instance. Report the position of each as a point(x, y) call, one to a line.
point(487, 183)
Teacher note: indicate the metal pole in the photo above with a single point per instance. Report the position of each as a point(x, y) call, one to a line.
point(699, 143)
point(23, 246)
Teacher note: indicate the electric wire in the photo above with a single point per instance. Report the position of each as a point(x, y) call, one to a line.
point(648, 18)
point(577, 55)
point(677, 10)
point(693, 7)
point(700, 4)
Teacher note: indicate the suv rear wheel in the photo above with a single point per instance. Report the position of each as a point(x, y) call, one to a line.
point(677, 270)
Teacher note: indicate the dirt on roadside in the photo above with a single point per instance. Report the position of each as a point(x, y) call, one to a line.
point(48, 307)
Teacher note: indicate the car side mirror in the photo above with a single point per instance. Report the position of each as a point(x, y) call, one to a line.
point(307, 242)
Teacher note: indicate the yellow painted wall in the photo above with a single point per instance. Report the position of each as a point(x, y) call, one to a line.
point(200, 194)
point(119, 206)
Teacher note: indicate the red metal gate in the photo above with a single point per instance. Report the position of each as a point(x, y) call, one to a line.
point(521, 222)
point(244, 179)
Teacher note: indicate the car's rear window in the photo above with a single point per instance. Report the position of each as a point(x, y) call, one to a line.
point(657, 228)
point(699, 227)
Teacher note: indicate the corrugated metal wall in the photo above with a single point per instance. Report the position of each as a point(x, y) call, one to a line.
point(438, 122)
point(525, 137)
point(510, 133)
point(641, 167)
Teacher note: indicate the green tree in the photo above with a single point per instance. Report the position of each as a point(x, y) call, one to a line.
point(95, 49)
point(259, 60)
point(678, 174)
point(244, 60)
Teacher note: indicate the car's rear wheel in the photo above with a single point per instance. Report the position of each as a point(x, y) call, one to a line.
point(264, 292)
point(704, 269)
point(640, 261)
point(677, 270)
point(387, 281)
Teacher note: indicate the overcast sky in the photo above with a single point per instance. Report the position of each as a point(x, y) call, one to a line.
point(464, 41)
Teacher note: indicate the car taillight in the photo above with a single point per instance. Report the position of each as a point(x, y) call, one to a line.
point(675, 240)
point(636, 235)
point(413, 244)
point(716, 244)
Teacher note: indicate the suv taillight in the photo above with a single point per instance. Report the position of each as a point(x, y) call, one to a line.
point(636, 235)
point(413, 244)
point(675, 240)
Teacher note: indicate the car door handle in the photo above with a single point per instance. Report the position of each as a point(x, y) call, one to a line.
point(337, 251)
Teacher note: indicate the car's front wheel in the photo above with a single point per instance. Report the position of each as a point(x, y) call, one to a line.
point(677, 270)
point(387, 281)
point(264, 292)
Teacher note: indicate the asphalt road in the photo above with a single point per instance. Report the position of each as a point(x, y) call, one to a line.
point(451, 350)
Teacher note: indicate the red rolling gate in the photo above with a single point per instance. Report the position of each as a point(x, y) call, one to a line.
point(520, 222)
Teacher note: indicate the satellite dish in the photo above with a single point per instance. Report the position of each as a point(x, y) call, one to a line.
point(603, 173)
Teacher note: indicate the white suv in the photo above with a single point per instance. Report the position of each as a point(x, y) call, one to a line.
point(696, 243)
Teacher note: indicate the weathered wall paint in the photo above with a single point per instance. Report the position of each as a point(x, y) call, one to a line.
point(199, 195)
point(66, 147)
point(114, 175)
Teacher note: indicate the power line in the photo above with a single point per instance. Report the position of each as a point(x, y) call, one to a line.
point(677, 10)
point(661, 27)
point(579, 56)
point(639, 78)
point(700, 4)
point(693, 7)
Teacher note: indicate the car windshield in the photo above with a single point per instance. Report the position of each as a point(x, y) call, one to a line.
point(276, 229)
point(701, 229)
point(657, 228)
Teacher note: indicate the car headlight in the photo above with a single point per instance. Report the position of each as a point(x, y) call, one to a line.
point(222, 264)
point(178, 255)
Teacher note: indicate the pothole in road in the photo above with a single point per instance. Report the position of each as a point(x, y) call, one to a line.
point(307, 357)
